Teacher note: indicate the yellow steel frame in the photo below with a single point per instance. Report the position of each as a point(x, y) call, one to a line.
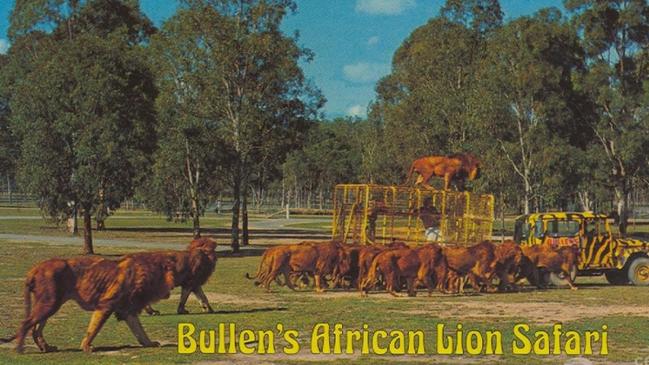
point(465, 217)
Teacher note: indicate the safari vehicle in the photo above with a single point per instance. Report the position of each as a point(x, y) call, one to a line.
point(622, 261)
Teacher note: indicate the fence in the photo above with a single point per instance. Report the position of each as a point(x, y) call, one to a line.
point(374, 213)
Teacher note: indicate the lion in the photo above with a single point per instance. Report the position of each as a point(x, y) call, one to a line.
point(453, 168)
point(414, 265)
point(123, 287)
point(319, 260)
point(346, 272)
point(557, 261)
point(509, 259)
point(271, 259)
point(367, 253)
point(193, 267)
point(476, 263)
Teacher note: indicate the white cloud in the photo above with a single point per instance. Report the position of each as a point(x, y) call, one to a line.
point(384, 7)
point(365, 72)
point(4, 46)
point(373, 40)
point(356, 111)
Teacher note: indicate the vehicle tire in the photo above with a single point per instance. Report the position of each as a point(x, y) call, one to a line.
point(617, 277)
point(560, 279)
point(639, 271)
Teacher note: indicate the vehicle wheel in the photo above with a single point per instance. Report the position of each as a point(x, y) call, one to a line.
point(639, 271)
point(617, 277)
point(560, 279)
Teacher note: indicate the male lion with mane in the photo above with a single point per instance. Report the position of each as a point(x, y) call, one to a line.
point(192, 268)
point(453, 168)
point(123, 287)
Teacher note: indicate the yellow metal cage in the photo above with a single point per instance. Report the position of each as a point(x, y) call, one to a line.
point(365, 213)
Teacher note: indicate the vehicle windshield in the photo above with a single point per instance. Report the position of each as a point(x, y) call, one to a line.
point(563, 228)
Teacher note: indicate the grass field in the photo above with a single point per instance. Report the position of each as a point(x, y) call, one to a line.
point(236, 300)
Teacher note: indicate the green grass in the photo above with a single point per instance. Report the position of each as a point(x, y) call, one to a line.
point(237, 300)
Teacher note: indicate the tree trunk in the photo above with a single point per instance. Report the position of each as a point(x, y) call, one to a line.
point(9, 189)
point(72, 223)
point(75, 224)
point(244, 213)
point(502, 217)
point(622, 197)
point(321, 199)
point(196, 219)
point(100, 217)
point(87, 232)
point(526, 198)
point(585, 201)
point(308, 198)
point(236, 192)
point(283, 193)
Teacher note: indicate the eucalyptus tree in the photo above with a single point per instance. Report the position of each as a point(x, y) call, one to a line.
point(244, 77)
point(615, 37)
point(82, 103)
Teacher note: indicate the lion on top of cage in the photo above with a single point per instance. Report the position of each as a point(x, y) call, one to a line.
point(454, 168)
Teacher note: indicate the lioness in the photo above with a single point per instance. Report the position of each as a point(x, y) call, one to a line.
point(123, 287)
point(319, 260)
point(366, 255)
point(558, 261)
point(476, 263)
point(421, 264)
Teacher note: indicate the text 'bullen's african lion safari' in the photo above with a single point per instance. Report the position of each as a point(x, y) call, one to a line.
point(327, 339)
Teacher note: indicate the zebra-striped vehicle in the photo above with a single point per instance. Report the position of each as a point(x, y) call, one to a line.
point(621, 260)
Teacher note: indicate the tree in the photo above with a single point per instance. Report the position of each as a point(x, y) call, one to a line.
point(616, 38)
point(524, 99)
point(423, 107)
point(9, 146)
point(191, 154)
point(247, 80)
point(482, 16)
point(83, 105)
point(423, 101)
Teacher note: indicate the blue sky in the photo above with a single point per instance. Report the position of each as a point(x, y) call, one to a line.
point(353, 40)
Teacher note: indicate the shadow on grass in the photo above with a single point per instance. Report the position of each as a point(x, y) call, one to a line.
point(242, 311)
point(113, 348)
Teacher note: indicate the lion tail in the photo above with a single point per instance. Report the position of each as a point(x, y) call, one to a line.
point(263, 271)
point(370, 280)
point(410, 173)
point(27, 296)
point(262, 264)
point(27, 293)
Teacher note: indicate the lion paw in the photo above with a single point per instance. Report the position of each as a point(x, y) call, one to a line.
point(86, 348)
point(49, 348)
point(152, 344)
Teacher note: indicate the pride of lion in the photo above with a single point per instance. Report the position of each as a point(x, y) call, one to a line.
point(134, 282)
point(393, 266)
